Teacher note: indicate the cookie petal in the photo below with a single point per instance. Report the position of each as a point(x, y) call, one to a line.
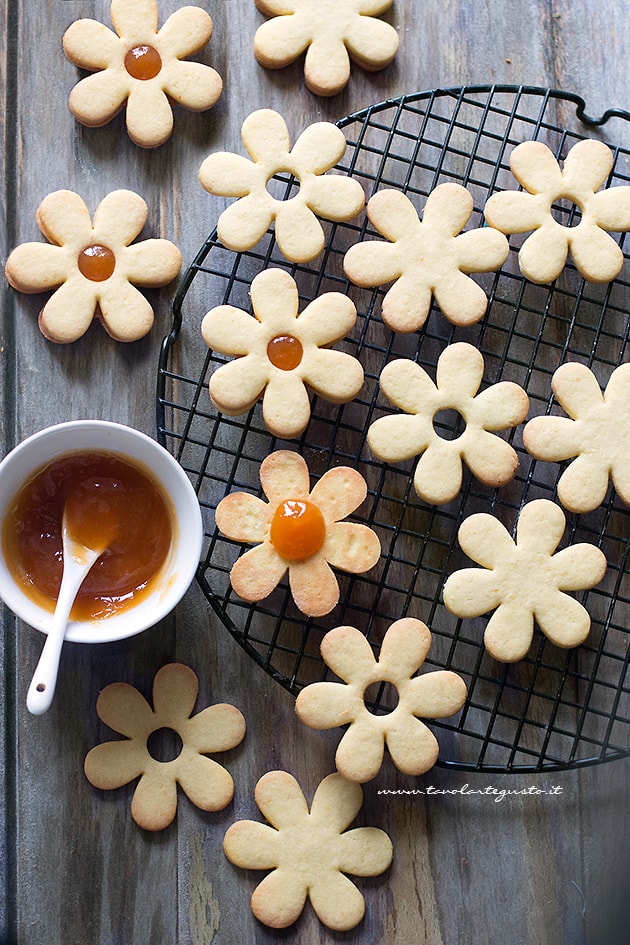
point(553, 439)
point(286, 405)
point(337, 901)
point(471, 592)
point(229, 175)
point(235, 387)
point(595, 253)
point(481, 250)
point(279, 899)
point(336, 803)
point(490, 459)
point(397, 438)
point(277, 43)
point(620, 474)
point(328, 318)
point(372, 43)
point(435, 695)
point(113, 764)
point(280, 799)
point(119, 217)
point(404, 648)
point(577, 389)
point(535, 167)
point(413, 747)
point(409, 386)
point(611, 208)
point(274, 296)
point(64, 219)
point(543, 254)
point(347, 652)
point(266, 137)
point(588, 164)
point(360, 752)
point(152, 263)
point(175, 689)
point(579, 567)
point(298, 231)
point(583, 485)
point(334, 197)
point(96, 99)
point(245, 222)
point(192, 84)
point(257, 573)
point(251, 845)
point(327, 705)
point(186, 31)
point(91, 45)
point(499, 406)
point(365, 851)
point(243, 517)
point(339, 492)
point(509, 633)
point(407, 304)
point(352, 547)
point(284, 474)
point(314, 586)
point(438, 474)
point(326, 66)
point(68, 313)
point(393, 214)
point(149, 115)
point(541, 525)
point(371, 263)
point(154, 802)
point(216, 728)
point(448, 208)
point(319, 147)
point(513, 211)
point(36, 267)
point(204, 782)
point(563, 619)
point(460, 371)
point(230, 330)
point(126, 314)
point(484, 539)
point(125, 710)
point(461, 300)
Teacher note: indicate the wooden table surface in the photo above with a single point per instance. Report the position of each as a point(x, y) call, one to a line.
point(535, 869)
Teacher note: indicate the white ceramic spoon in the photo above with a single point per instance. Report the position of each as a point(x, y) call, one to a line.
point(77, 561)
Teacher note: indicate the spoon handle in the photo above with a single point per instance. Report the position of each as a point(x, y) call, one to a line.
point(42, 687)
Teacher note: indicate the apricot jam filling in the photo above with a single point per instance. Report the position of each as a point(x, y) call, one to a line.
point(285, 352)
point(297, 530)
point(96, 262)
point(109, 503)
point(142, 62)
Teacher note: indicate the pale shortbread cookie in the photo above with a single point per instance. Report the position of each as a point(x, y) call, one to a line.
point(595, 435)
point(398, 437)
point(543, 255)
point(412, 746)
point(299, 530)
point(280, 353)
point(204, 781)
point(428, 258)
point(310, 852)
point(523, 581)
point(298, 232)
point(141, 67)
point(331, 32)
point(93, 266)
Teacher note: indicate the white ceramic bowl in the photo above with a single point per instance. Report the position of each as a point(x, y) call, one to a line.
point(179, 569)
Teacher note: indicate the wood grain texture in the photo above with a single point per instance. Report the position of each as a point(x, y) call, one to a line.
point(529, 870)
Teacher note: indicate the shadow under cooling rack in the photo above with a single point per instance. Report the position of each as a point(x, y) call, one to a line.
point(556, 708)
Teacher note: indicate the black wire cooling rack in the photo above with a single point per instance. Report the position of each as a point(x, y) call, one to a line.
point(556, 708)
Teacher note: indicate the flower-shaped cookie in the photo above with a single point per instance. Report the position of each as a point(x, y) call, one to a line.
point(94, 265)
point(279, 351)
point(438, 473)
point(543, 255)
point(523, 581)
point(308, 851)
point(298, 231)
point(426, 258)
point(331, 32)
point(205, 782)
point(412, 746)
point(299, 529)
point(141, 66)
point(596, 431)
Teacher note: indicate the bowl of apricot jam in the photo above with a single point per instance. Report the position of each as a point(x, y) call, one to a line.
point(119, 488)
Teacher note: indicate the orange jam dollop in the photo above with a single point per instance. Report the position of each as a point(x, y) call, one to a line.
point(142, 62)
point(297, 530)
point(110, 502)
point(285, 352)
point(96, 262)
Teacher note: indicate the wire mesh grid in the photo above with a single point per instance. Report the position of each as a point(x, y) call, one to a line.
point(556, 708)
